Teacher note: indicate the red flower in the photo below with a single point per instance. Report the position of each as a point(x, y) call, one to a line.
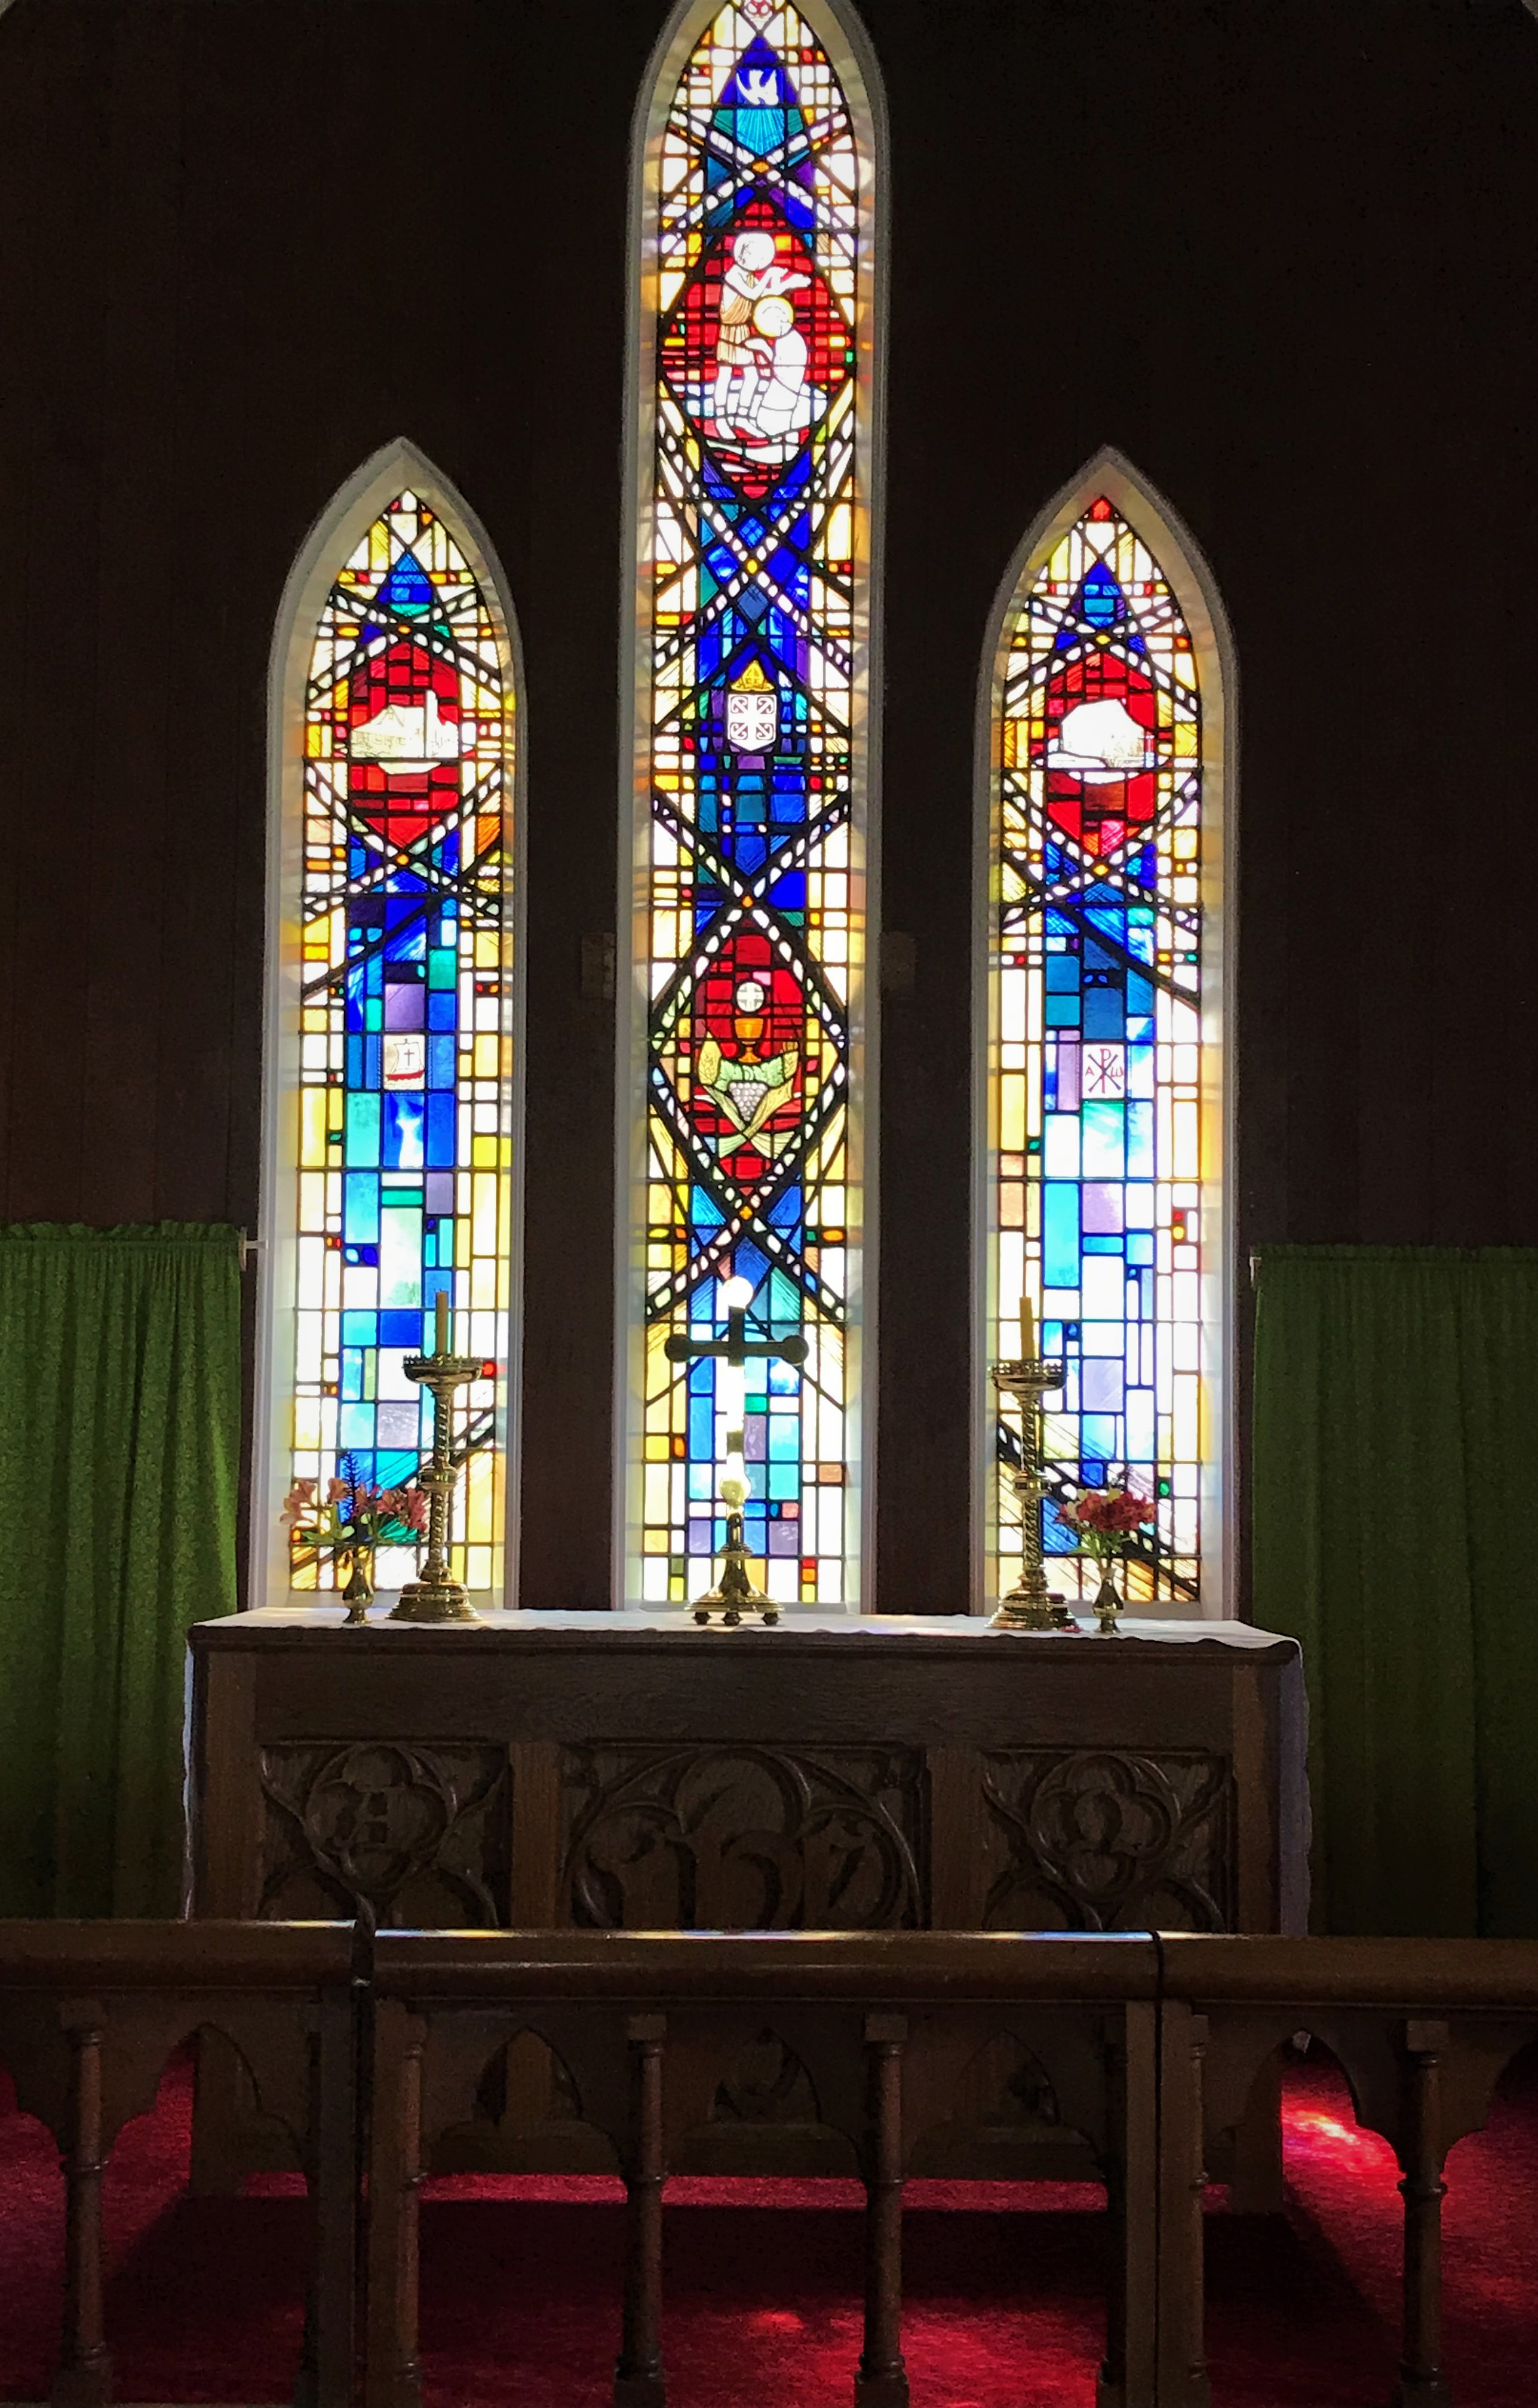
point(1111, 1511)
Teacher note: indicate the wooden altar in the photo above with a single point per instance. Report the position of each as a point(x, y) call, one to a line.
point(630, 1770)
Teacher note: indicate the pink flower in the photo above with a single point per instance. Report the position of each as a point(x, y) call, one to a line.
point(407, 1505)
point(300, 1498)
point(336, 1490)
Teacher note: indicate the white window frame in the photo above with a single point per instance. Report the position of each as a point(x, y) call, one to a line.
point(335, 535)
point(1195, 588)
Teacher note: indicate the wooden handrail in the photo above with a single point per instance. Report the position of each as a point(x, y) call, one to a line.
point(941, 1967)
point(1418, 1976)
point(163, 1956)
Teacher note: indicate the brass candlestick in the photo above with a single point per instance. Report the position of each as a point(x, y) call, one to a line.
point(433, 1596)
point(1030, 1605)
point(734, 1592)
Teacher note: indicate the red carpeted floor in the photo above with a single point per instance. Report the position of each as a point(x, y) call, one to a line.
point(521, 2279)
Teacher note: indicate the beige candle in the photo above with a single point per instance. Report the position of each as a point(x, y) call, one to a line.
point(440, 1308)
point(1027, 1331)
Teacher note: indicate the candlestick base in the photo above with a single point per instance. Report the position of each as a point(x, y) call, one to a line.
point(1047, 1612)
point(734, 1593)
point(434, 1602)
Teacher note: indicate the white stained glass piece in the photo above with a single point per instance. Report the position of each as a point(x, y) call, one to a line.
point(1099, 741)
point(405, 1061)
point(1105, 1071)
point(751, 721)
point(407, 737)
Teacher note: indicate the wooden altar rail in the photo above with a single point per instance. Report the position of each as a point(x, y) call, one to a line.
point(90, 2015)
point(885, 2024)
point(1422, 2028)
point(1154, 2045)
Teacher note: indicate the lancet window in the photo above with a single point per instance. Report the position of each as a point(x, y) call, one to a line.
point(1104, 1086)
point(743, 1067)
point(392, 1090)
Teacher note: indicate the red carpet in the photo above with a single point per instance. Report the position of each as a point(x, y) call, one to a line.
point(521, 2279)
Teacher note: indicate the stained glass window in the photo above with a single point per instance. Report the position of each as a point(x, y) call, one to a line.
point(397, 1162)
point(1106, 1034)
point(755, 392)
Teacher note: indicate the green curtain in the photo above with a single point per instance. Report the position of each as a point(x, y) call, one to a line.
point(1395, 1499)
point(120, 1440)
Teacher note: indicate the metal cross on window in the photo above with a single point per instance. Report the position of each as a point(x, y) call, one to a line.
point(735, 1590)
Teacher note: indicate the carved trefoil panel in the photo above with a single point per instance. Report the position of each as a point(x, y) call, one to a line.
point(742, 1837)
point(421, 1834)
point(1108, 1840)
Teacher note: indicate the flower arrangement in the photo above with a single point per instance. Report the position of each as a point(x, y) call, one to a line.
point(353, 1520)
point(1103, 1519)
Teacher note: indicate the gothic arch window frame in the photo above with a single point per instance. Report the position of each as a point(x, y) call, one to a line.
point(848, 49)
point(334, 535)
point(1195, 588)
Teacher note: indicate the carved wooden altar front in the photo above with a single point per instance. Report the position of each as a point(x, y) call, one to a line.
point(613, 1773)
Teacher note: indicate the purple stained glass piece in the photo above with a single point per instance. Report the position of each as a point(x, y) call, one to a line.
point(405, 1007)
point(1103, 1208)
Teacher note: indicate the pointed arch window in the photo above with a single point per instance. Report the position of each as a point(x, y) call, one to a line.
point(1109, 718)
point(393, 1100)
point(749, 839)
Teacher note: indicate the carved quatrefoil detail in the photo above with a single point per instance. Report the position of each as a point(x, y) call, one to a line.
point(1106, 1839)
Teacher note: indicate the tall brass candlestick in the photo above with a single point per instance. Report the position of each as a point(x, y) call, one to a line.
point(1030, 1605)
point(433, 1596)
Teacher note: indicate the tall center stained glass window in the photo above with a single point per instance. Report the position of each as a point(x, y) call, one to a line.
point(756, 373)
point(392, 1093)
point(1104, 1085)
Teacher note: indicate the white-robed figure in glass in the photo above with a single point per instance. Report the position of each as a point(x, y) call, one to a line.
point(753, 278)
point(781, 404)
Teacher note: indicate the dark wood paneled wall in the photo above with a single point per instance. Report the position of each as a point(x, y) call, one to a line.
point(1276, 254)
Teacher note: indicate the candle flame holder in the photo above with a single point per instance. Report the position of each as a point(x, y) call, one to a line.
point(434, 1596)
point(1030, 1605)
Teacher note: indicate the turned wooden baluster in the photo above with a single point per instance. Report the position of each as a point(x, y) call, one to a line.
point(84, 2379)
point(327, 2370)
point(883, 2378)
point(1422, 2383)
point(1181, 2319)
point(639, 2378)
point(1110, 2380)
point(392, 2375)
